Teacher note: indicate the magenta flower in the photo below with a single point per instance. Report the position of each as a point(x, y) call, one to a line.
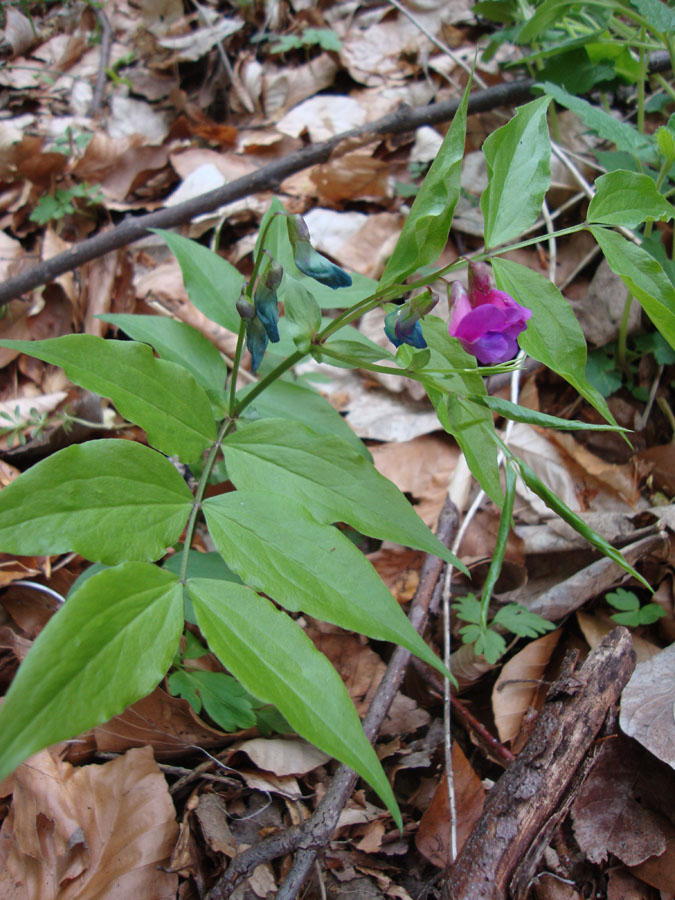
point(486, 321)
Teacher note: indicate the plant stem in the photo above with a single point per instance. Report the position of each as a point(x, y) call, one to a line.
point(642, 77)
point(226, 426)
point(284, 366)
point(235, 368)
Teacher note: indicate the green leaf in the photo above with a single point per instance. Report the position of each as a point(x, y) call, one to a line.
point(547, 13)
point(179, 343)
point(567, 515)
point(157, 395)
point(518, 619)
point(277, 547)
point(332, 481)
point(644, 278)
point(628, 199)
point(275, 660)
point(108, 500)
point(223, 698)
point(486, 643)
point(532, 417)
point(622, 599)
point(303, 404)
point(518, 157)
point(212, 283)
point(470, 424)
point(624, 136)
point(302, 312)
point(277, 243)
point(353, 353)
point(659, 15)
point(553, 335)
point(425, 231)
point(108, 646)
point(468, 609)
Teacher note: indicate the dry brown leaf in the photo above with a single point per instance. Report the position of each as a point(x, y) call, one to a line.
point(97, 831)
point(659, 871)
point(608, 815)
point(284, 785)
point(168, 724)
point(617, 480)
point(433, 835)
point(518, 684)
point(622, 885)
point(283, 756)
point(399, 569)
point(212, 815)
point(662, 460)
point(648, 705)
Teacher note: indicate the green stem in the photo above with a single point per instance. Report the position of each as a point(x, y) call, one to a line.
point(284, 366)
point(623, 333)
point(226, 426)
point(667, 87)
point(259, 257)
point(642, 78)
point(500, 548)
point(235, 367)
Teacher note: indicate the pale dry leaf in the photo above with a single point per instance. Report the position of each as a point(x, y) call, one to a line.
point(18, 31)
point(617, 480)
point(285, 785)
point(518, 683)
point(96, 831)
point(648, 705)
point(195, 44)
point(323, 117)
point(608, 816)
point(433, 835)
point(129, 117)
point(595, 628)
point(600, 311)
point(285, 88)
point(283, 756)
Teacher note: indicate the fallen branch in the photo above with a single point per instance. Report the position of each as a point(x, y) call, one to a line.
point(526, 804)
point(318, 830)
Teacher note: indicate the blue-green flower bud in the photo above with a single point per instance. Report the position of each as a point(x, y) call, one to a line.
point(245, 308)
point(256, 341)
point(402, 325)
point(309, 261)
point(265, 299)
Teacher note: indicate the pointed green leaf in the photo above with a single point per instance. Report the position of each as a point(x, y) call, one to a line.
point(108, 646)
point(518, 413)
point(332, 481)
point(277, 547)
point(625, 136)
point(179, 343)
point(157, 395)
point(567, 515)
point(108, 500)
point(212, 283)
point(426, 229)
point(553, 335)
point(471, 425)
point(303, 404)
point(275, 660)
point(644, 278)
point(518, 157)
point(628, 199)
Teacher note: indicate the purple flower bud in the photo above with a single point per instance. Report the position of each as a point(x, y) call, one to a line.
point(402, 325)
point(309, 261)
point(485, 321)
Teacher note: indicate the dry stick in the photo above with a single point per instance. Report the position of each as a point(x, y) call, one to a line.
point(266, 178)
point(317, 831)
point(103, 60)
point(522, 807)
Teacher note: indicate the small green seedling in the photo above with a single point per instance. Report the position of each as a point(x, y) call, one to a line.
point(632, 614)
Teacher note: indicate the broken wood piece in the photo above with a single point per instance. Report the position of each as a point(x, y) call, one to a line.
point(515, 825)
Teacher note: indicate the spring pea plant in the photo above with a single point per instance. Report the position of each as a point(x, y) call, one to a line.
point(296, 467)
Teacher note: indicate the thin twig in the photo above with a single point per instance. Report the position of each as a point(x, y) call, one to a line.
point(442, 46)
point(103, 61)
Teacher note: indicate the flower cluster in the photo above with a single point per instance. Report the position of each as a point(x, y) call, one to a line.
point(261, 316)
point(485, 321)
